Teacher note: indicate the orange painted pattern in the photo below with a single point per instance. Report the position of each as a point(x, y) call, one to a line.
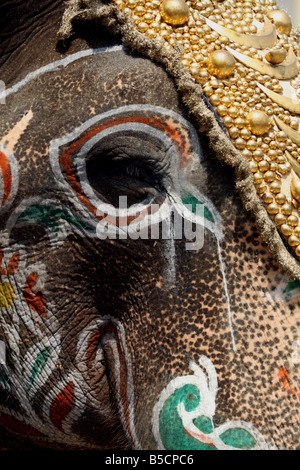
point(62, 405)
point(284, 380)
point(201, 437)
point(12, 264)
point(7, 177)
point(35, 301)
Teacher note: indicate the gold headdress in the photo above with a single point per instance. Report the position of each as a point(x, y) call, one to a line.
point(244, 57)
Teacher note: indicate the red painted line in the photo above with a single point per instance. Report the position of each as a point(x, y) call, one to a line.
point(284, 379)
point(12, 264)
point(7, 177)
point(201, 437)
point(62, 405)
point(35, 301)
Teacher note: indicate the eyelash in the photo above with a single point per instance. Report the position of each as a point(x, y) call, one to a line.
point(132, 170)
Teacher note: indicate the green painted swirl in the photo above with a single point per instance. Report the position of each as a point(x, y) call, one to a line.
point(175, 437)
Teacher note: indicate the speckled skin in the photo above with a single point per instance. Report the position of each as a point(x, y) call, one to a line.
point(166, 325)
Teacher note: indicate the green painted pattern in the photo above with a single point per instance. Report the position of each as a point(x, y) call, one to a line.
point(238, 438)
point(39, 364)
point(172, 432)
point(204, 424)
point(292, 286)
point(50, 216)
point(175, 437)
point(193, 202)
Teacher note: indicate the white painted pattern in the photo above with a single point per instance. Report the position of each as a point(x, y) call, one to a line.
point(204, 378)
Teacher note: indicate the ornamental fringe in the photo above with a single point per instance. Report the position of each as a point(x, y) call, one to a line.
point(120, 23)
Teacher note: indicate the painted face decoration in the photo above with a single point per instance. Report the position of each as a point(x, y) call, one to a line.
point(171, 147)
point(183, 416)
point(96, 147)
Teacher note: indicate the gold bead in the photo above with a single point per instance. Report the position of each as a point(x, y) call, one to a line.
point(240, 143)
point(292, 221)
point(251, 144)
point(246, 134)
point(263, 166)
point(175, 12)
point(280, 219)
point(295, 188)
point(258, 155)
point(281, 136)
point(286, 230)
point(283, 169)
point(280, 197)
point(253, 167)
point(281, 20)
point(273, 209)
point(247, 154)
point(195, 69)
point(151, 33)
point(227, 101)
point(267, 198)
point(239, 123)
point(276, 56)
point(293, 241)
point(275, 188)
point(222, 110)
point(258, 122)
point(273, 166)
point(208, 90)
point(142, 27)
point(215, 99)
point(227, 121)
point(258, 178)
point(221, 64)
point(269, 176)
point(233, 112)
point(287, 209)
point(261, 188)
point(234, 132)
point(297, 251)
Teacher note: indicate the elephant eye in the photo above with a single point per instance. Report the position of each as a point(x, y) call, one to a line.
point(135, 151)
point(127, 165)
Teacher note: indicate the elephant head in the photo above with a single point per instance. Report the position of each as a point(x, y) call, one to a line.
point(147, 299)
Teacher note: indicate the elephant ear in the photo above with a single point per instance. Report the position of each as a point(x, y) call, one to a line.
point(246, 103)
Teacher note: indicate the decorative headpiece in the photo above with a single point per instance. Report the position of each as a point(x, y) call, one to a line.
point(241, 57)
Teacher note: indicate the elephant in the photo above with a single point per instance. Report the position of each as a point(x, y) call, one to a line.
point(164, 322)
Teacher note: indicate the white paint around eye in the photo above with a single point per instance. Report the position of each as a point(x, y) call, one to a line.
point(80, 160)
